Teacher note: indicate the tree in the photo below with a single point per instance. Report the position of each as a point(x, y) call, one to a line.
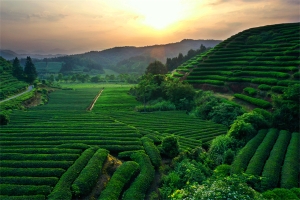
point(60, 77)
point(29, 70)
point(170, 146)
point(179, 93)
point(156, 68)
point(17, 69)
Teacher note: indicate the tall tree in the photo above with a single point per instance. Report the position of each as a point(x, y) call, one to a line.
point(17, 69)
point(156, 68)
point(30, 70)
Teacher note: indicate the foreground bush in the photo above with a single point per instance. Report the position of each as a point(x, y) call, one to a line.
point(140, 185)
point(89, 175)
point(283, 193)
point(120, 178)
point(291, 163)
point(62, 189)
point(242, 159)
point(229, 187)
point(170, 146)
point(258, 102)
point(152, 151)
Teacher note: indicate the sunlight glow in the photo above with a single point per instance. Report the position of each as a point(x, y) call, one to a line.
point(158, 13)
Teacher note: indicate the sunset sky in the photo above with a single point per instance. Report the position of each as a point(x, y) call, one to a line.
point(76, 26)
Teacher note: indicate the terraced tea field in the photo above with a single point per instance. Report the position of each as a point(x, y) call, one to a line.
point(48, 151)
point(273, 155)
point(265, 59)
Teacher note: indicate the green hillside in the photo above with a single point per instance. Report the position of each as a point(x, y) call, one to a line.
point(9, 85)
point(264, 60)
point(48, 67)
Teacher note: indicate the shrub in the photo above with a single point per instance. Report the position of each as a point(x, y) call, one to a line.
point(160, 106)
point(152, 151)
point(269, 81)
point(225, 113)
point(255, 101)
point(272, 168)
point(283, 193)
point(62, 189)
point(36, 172)
point(291, 165)
point(141, 183)
point(287, 82)
point(29, 180)
point(249, 90)
point(170, 146)
point(264, 87)
point(267, 115)
point(229, 187)
point(296, 75)
point(296, 191)
point(127, 154)
point(90, 173)
point(219, 146)
point(11, 189)
point(241, 130)
point(278, 89)
point(245, 154)
point(257, 162)
point(269, 194)
point(119, 179)
point(23, 197)
point(212, 82)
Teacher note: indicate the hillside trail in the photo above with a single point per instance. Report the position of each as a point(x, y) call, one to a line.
point(17, 95)
point(94, 101)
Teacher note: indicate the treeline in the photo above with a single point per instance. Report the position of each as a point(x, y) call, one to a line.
point(83, 78)
point(71, 62)
point(173, 63)
point(28, 73)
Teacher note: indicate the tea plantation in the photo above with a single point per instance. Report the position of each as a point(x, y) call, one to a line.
point(264, 60)
point(54, 151)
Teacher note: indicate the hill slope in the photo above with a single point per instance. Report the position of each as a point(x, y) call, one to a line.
point(264, 59)
point(9, 85)
point(113, 58)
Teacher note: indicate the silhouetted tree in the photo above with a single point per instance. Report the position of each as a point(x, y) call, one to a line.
point(156, 68)
point(17, 69)
point(30, 70)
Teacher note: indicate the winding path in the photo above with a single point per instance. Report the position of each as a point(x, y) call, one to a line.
point(17, 95)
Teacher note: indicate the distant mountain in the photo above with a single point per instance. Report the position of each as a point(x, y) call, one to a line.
point(9, 55)
point(122, 56)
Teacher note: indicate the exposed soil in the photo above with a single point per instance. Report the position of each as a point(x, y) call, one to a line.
point(34, 101)
point(94, 101)
point(109, 167)
point(156, 181)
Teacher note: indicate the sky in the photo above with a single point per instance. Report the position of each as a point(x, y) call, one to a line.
point(77, 26)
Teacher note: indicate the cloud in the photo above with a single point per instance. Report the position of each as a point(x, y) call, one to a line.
point(46, 16)
point(21, 16)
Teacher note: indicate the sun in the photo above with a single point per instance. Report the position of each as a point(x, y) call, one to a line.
point(158, 14)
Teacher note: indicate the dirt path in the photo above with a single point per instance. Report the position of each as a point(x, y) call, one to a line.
point(17, 95)
point(108, 169)
point(94, 101)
